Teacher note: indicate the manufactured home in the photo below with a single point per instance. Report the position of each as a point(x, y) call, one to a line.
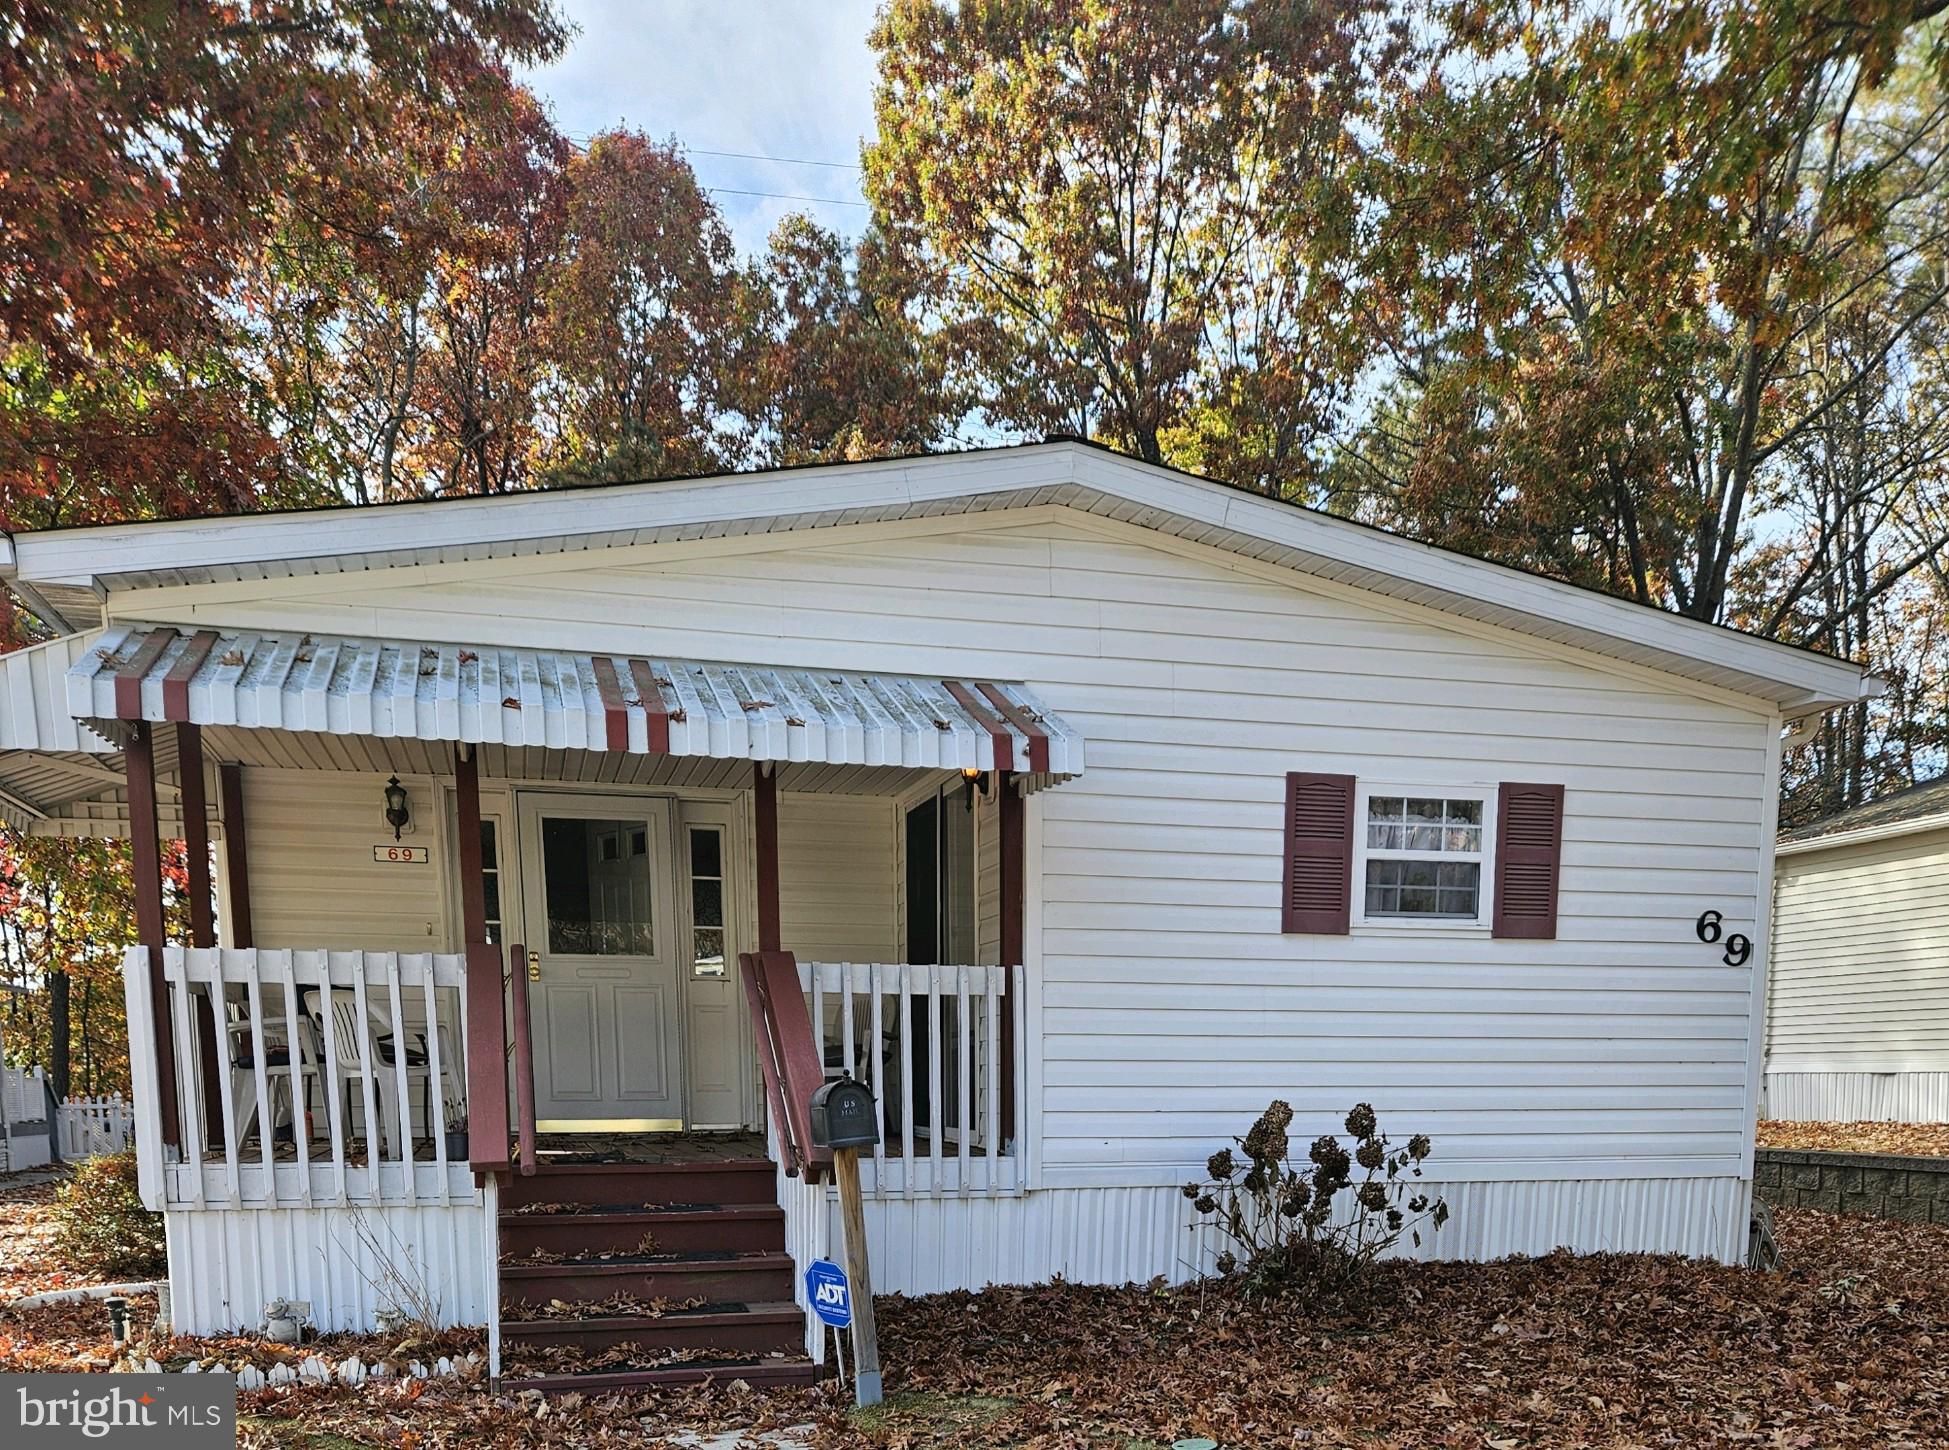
point(565, 842)
point(1857, 1023)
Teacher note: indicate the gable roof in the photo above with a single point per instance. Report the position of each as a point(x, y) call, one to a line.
point(69, 571)
point(1923, 807)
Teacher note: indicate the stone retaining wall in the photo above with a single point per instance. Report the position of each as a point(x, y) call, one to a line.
point(1881, 1185)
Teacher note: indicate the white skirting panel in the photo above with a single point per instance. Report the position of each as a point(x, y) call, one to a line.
point(225, 1265)
point(1858, 1097)
point(1124, 1235)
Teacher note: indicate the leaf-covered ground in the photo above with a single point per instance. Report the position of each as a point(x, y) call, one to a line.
point(1909, 1140)
point(1848, 1347)
point(28, 1263)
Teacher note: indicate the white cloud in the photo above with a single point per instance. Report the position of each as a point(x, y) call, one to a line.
point(775, 78)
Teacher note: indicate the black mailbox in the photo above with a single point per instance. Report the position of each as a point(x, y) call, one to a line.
point(844, 1116)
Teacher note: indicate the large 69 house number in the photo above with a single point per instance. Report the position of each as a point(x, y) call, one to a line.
point(1711, 929)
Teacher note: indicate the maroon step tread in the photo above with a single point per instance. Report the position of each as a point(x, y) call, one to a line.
point(736, 1181)
point(747, 1278)
point(745, 1329)
point(760, 1374)
point(733, 1228)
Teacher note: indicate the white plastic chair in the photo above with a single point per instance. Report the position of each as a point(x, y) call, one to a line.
point(352, 1044)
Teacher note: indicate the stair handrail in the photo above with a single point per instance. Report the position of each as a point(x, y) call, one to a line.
point(524, 1061)
point(788, 1056)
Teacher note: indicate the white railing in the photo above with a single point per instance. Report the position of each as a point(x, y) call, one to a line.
point(927, 1039)
point(90, 1127)
point(23, 1093)
point(337, 1078)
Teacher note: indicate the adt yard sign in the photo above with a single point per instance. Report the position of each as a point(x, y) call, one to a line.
point(828, 1293)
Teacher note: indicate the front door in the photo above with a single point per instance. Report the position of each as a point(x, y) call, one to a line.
point(608, 1017)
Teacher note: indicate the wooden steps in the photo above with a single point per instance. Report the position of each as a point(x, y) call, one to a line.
point(682, 1268)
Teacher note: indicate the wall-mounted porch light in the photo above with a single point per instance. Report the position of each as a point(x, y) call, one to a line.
point(977, 780)
point(398, 807)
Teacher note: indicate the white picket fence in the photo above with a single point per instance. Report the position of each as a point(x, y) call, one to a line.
point(90, 1127)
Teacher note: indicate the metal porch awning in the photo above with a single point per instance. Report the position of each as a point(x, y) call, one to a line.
point(562, 700)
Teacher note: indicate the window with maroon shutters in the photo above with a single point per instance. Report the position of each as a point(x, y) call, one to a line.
point(1319, 853)
point(1529, 853)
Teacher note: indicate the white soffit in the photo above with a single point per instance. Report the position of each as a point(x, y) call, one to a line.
point(74, 567)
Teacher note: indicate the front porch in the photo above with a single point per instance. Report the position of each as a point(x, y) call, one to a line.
point(613, 877)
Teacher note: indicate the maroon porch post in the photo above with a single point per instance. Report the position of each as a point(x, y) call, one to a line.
point(145, 844)
point(1013, 888)
point(236, 857)
point(487, 1033)
point(764, 824)
point(202, 925)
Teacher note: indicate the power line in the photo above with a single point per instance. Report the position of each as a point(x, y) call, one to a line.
point(781, 160)
point(581, 143)
point(781, 196)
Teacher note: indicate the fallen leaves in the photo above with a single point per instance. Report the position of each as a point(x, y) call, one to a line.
point(1839, 1350)
point(1906, 1140)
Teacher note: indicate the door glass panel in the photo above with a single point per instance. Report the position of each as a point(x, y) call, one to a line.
point(707, 901)
point(597, 879)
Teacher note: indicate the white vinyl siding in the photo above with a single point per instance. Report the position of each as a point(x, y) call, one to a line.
point(1861, 959)
point(313, 881)
point(1169, 1008)
point(836, 878)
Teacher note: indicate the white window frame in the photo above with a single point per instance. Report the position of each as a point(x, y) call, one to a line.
point(1484, 918)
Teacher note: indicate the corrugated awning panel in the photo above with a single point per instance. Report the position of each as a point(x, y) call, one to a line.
point(409, 689)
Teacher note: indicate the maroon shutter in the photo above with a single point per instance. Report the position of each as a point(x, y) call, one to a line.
point(1319, 853)
point(1529, 846)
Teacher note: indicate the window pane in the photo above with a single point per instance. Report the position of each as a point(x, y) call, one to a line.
point(1430, 824)
point(598, 896)
point(707, 951)
point(489, 847)
point(707, 902)
point(1424, 888)
point(491, 891)
point(705, 855)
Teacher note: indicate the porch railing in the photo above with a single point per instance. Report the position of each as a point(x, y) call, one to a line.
point(319, 1077)
point(929, 1041)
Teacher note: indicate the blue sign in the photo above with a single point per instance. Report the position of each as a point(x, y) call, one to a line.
point(827, 1291)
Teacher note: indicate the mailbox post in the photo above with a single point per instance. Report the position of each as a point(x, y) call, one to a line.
point(846, 1119)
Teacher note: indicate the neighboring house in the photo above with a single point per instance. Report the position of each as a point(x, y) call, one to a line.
point(1857, 1023)
point(1204, 800)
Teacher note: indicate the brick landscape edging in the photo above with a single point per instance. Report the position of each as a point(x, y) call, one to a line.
point(1881, 1185)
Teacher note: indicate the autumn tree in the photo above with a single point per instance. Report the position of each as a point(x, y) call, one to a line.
point(1142, 221)
point(66, 909)
point(835, 360)
point(1613, 236)
point(150, 152)
point(639, 335)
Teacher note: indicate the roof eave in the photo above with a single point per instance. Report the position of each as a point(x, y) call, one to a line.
point(1797, 682)
point(1862, 835)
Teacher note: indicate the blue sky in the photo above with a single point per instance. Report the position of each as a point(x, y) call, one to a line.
point(772, 78)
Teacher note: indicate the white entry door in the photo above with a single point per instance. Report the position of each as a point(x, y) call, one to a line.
point(608, 1017)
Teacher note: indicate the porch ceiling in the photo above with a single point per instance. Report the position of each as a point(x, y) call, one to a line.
point(532, 701)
